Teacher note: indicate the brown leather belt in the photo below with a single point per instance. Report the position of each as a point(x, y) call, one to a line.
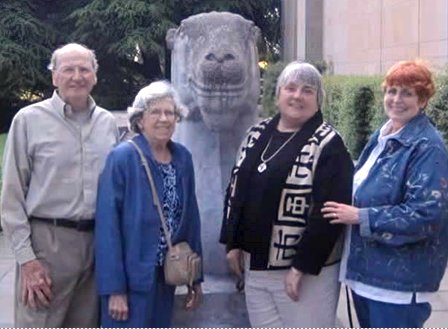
point(80, 225)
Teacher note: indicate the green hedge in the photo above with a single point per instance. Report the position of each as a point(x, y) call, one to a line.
point(269, 81)
point(2, 144)
point(354, 105)
point(438, 107)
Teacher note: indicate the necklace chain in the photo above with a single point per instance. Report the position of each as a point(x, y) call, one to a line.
point(262, 167)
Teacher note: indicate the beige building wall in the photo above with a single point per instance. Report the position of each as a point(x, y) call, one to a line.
point(368, 36)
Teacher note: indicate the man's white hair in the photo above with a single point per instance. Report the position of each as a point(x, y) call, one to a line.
point(72, 47)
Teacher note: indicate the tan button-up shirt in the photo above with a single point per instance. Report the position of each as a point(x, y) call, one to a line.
point(51, 165)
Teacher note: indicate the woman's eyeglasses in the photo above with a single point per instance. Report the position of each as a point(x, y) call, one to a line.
point(157, 113)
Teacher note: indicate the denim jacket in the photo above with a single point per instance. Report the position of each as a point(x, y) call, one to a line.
point(402, 240)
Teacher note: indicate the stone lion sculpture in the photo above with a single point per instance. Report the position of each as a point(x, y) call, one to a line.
point(214, 67)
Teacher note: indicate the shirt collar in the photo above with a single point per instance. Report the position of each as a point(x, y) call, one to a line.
point(383, 136)
point(411, 131)
point(65, 110)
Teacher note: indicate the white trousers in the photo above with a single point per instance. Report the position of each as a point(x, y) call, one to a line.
point(268, 304)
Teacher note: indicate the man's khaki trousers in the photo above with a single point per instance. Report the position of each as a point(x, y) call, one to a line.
point(69, 255)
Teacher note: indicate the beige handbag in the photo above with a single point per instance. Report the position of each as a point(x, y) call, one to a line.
point(182, 265)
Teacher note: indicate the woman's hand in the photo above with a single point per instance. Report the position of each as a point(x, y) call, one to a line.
point(340, 213)
point(118, 307)
point(292, 282)
point(236, 261)
point(194, 296)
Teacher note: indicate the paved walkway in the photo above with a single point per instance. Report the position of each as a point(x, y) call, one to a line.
point(222, 305)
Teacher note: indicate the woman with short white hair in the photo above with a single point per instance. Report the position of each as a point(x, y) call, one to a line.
point(130, 242)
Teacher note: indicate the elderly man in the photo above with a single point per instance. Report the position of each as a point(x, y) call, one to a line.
point(54, 153)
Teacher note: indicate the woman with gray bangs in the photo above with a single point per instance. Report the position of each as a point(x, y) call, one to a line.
point(130, 241)
point(276, 236)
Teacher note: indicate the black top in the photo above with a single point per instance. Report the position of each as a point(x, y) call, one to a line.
point(256, 226)
point(248, 221)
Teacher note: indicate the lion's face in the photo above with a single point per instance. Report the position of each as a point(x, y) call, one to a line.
point(215, 67)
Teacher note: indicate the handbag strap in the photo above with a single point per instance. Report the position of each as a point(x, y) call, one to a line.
point(154, 193)
point(349, 309)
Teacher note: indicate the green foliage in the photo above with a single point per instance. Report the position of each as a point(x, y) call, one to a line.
point(363, 102)
point(118, 26)
point(128, 37)
point(25, 47)
point(24, 42)
point(437, 110)
point(321, 66)
point(353, 105)
point(269, 107)
point(2, 144)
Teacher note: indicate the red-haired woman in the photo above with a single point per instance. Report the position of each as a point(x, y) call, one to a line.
point(396, 246)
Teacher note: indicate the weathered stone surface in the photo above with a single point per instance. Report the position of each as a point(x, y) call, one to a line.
point(215, 70)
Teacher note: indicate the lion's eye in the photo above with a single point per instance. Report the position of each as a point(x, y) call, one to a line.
point(229, 57)
point(210, 57)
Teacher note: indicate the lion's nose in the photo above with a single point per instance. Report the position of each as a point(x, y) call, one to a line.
point(220, 58)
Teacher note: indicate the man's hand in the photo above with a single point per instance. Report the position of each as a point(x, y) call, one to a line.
point(236, 261)
point(194, 296)
point(36, 284)
point(292, 282)
point(118, 307)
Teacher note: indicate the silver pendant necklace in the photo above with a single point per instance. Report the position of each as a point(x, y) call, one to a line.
point(264, 162)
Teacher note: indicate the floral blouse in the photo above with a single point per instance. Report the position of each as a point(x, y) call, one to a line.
point(171, 205)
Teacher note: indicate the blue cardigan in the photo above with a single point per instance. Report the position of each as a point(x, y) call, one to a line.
point(127, 222)
point(402, 240)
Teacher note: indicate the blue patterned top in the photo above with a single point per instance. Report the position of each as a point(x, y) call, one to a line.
point(172, 207)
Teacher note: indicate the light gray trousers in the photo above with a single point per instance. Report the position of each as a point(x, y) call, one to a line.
point(268, 304)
